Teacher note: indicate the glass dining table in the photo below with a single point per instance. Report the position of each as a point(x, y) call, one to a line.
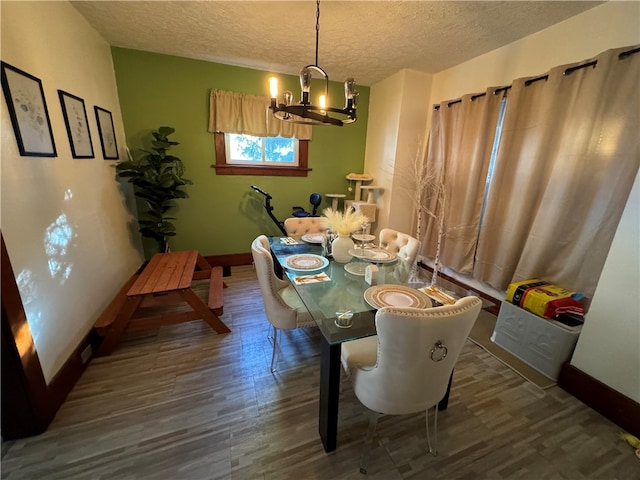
point(344, 291)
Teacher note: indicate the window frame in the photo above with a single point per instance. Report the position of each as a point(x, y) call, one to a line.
point(223, 168)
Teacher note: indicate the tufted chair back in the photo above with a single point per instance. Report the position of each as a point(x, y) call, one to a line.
point(406, 367)
point(298, 226)
point(405, 246)
point(282, 305)
point(405, 338)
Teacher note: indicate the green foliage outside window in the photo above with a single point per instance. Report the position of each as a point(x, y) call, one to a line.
point(248, 148)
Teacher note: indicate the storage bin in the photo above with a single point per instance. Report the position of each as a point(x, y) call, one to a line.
point(541, 343)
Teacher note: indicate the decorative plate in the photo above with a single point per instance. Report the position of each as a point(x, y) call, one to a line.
point(359, 253)
point(380, 255)
point(363, 237)
point(395, 296)
point(356, 268)
point(312, 237)
point(306, 261)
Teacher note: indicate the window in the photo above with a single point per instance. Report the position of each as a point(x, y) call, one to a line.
point(492, 161)
point(251, 150)
point(270, 156)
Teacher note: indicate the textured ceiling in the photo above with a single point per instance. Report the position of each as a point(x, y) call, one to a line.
point(368, 40)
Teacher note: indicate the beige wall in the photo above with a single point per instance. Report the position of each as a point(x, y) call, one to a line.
point(64, 220)
point(613, 24)
point(608, 346)
point(398, 111)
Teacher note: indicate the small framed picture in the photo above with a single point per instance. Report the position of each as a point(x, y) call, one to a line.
point(28, 111)
point(75, 119)
point(107, 134)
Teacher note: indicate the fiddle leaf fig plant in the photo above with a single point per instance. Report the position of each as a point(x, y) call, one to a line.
point(158, 181)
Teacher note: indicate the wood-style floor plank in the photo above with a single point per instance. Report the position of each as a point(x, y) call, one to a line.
point(182, 402)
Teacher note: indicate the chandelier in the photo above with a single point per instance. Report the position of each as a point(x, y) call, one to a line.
point(307, 113)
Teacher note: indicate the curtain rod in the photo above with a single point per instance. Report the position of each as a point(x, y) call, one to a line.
point(568, 71)
point(534, 80)
point(473, 97)
point(593, 63)
point(628, 53)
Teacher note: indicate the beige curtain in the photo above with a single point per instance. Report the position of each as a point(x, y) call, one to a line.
point(568, 156)
point(234, 112)
point(458, 155)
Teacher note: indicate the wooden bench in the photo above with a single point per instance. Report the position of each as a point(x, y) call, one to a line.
point(216, 300)
point(168, 275)
point(109, 315)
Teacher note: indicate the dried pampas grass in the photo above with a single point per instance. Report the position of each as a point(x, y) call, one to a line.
point(344, 223)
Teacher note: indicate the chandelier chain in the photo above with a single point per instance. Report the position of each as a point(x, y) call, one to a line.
point(317, 27)
point(306, 112)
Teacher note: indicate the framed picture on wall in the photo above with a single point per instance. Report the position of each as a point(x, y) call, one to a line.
point(75, 119)
point(28, 111)
point(107, 133)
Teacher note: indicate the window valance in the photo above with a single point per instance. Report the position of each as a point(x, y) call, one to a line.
point(242, 113)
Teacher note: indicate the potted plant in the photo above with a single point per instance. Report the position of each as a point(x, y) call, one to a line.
point(158, 181)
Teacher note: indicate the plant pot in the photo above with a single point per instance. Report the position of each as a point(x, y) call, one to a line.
point(340, 248)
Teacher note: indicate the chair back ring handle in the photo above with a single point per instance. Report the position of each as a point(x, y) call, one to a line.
point(438, 352)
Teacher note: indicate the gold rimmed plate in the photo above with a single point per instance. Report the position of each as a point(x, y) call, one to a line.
point(306, 262)
point(312, 237)
point(395, 296)
point(363, 237)
point(380, 255)
point(359, 253)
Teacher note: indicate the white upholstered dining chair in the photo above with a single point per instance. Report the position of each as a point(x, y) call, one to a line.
point(282, 305)
point(406, 367)
point(298, 226)
point(402, 244)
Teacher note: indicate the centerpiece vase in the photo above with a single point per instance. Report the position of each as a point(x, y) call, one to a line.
point(340, 248)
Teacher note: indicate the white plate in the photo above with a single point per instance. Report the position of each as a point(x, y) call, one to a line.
point(312, 237)
point(395, 296)
point(359, 253)
point(306, 262)
point(379, 255)
point(356, 268)
point(363, 237)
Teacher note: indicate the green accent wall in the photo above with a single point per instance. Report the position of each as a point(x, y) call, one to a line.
point(223, 214)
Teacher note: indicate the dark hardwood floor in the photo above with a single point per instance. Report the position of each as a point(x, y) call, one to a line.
point(182, 402)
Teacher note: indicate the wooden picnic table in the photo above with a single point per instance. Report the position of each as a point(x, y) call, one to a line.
point(169, 275)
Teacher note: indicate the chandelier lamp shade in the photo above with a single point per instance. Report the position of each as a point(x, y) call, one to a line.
point(305, 112)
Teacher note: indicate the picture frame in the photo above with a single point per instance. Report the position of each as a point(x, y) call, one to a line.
point(77, 123)
point(28, 111)
point(107, 133)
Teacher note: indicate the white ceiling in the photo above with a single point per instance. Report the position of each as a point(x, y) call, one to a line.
point(368, 40)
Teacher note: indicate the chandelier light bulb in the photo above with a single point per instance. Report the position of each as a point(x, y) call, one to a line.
point(349, 88)
point(322, 102)
point(305, 79)
point(273, 87)
point(287, 97)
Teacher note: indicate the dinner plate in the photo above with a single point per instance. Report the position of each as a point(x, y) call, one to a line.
point(306, 262)
point(312, 237)
point(380, 255)
point(395, 296)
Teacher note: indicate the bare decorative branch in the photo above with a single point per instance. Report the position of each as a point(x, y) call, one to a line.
point(422, 184)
